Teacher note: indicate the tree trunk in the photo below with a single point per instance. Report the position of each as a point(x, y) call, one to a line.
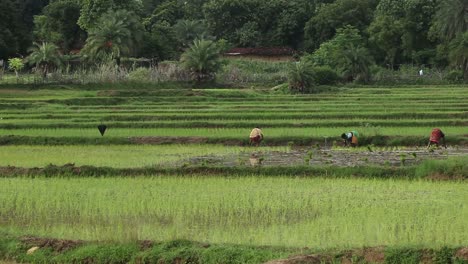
point(465, 69)
point(44, 71)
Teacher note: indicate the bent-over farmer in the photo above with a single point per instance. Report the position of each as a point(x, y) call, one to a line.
point(436, 136)
point(256, 136)
point(350, 138)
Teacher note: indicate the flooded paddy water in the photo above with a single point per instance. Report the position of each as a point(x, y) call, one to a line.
point(343, 157)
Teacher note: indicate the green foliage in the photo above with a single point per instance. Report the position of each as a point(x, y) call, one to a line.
point(443, 255)
point(346, 53)
point(92, 10)
point(402, 256)
point(58, 25)
point(45, 56)
point(139, 75)
point(322, 27)
point(16, 65)
point(202, 60)
point(158, 42)
point(186, 31)
point(325, 75)
point(258, 23)
point(458, 54)
point(116, 35)
point(301, 77)
point(400, 30)
point(451, 19)
point(456, 167)
point(355, 64)
point(9, 40)
point(455, 76)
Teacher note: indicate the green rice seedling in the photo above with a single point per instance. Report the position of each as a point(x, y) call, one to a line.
point(403, 157)
point(281, 211)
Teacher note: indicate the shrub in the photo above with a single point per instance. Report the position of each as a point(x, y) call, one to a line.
point(325, 75)
point(140, 75)
point(16, 65)
point(454, 76)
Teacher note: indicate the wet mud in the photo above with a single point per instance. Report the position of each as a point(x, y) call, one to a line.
point(336, 157)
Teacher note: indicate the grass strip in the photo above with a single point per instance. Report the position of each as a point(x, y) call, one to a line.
point(227, 141)
point(14, 248)
point(451, 169)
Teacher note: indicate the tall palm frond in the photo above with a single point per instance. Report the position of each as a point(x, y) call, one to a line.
point(301, 76)
point(202, 59)
point(44, 56)
point(458, 54)
point(117, 35)
point(451, 18)
point(356, 62)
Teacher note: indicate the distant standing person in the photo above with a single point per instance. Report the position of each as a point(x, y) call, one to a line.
point(421, 72)
point(436, 136)
point(350, 138)
point(256, 136)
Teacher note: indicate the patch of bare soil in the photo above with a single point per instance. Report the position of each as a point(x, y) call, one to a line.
point(7, 170)
point(311, 259)
point(462, 253)
point(58, 245)
point(444, 177)
point(167, 140)
point(145, 244)
point(366, 255)
point(108, 93)
point(374, 254)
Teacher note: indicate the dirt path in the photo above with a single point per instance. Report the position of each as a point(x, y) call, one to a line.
point(337, 157)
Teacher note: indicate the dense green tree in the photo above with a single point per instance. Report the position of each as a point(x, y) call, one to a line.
point(92, 10)
point(168, 13)
point(458, 53)
point(186, 31)
point(58, 24)
point(355, 63)
point(16, 23)
point(160, 37)
point(330, 53)
point(347, 53)
point(400, 31)
point(16, 65)
point(329, 17)
point(451, 19)
point(117, 34)
point(44, 56)
point(202, 60)
point(9, 27)
point(226, 18)
point(259, 23)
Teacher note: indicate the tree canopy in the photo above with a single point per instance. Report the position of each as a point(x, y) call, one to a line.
point(392, 32)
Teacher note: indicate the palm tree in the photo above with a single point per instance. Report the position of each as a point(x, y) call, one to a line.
point(115, 36)
point(356, 62)
point(458, 53)
point(202, 60)
point(186, 31)
point(301, 76)
point(451, 18)
point(44, 56)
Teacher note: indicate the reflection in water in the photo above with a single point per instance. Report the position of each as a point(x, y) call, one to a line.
point(255, 159)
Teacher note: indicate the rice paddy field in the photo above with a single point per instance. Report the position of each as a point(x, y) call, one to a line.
point(398, 193)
